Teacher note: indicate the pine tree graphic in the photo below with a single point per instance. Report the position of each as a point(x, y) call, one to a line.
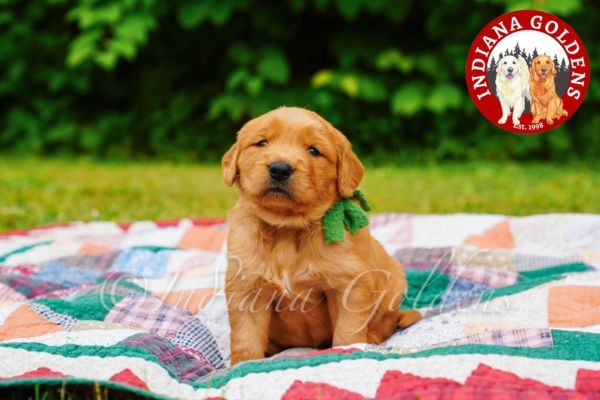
point(563, 66)
point(493, 64)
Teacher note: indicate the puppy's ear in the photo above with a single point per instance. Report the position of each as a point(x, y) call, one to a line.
point(553, 71)
point(349, 168)
point(533, 75)
point(229, 164)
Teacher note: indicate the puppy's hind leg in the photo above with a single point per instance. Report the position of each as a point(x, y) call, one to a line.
point(561, 111)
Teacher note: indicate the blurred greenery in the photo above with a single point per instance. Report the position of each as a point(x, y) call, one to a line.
point(175, 80)
point(43, 191)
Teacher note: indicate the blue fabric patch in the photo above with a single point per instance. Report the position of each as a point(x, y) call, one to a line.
point(462, 289)
point(65, 275)
point(142, 263)
point(195, 335)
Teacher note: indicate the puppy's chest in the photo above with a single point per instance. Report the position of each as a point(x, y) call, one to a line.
point(290, 267)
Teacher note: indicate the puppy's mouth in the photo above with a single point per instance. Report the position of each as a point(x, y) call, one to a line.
point(543, 75)
point(278, 191)
point(509, 75)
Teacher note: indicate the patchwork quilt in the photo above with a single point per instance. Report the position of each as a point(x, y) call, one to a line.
point(511, 308)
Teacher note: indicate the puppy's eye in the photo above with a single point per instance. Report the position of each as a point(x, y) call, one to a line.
point(505, 63)
point(537, 62)
point(262, 143)
point(313, 150)
point(514, 63)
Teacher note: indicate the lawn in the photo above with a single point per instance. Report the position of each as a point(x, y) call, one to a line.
point(41, 191)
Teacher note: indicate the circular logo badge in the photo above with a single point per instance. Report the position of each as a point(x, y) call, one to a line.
point(527, 71)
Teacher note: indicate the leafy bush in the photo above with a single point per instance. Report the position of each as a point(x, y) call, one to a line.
point(137, 78)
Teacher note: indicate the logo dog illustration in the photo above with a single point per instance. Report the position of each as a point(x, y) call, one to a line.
point(512, 87)
point(545, 102)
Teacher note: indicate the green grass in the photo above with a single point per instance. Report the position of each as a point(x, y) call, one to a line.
point(41, 191)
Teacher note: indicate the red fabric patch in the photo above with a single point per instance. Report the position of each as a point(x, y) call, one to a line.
point(322, 391)
point(127, 377)
point(42, 372)
point(399, 385)
point(483, 383)
point(488, 382)
point(588, 382)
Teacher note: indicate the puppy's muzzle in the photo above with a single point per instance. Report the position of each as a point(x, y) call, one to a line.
point(280, 171)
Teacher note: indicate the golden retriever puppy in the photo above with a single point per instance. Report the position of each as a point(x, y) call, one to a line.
point(545, 103)
point(285, 286)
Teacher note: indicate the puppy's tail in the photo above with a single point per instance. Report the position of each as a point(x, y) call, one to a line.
point(408, 317)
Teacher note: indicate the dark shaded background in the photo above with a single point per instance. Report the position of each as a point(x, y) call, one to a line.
point(175, 80)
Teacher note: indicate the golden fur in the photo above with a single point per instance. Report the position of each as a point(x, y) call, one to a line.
point(285, 287)
point(545, 103)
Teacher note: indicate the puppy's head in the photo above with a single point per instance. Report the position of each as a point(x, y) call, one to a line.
point(508, 67)
point(292, 165)
point(542, 67)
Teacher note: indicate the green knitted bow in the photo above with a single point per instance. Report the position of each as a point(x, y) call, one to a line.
point(345, 213)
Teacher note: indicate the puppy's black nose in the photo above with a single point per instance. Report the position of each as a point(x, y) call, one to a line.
point(510, 70)
point(543, 68)
point(280, 171)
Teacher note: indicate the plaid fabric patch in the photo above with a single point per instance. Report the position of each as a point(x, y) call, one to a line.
point(421, 258)
point(142, 262)
point(461, 290)
point(503, 260)
point(8, 294)
point(28, 287)
point(181, 363)
point(63, 320)
point(486, 276)
point(525, 262)
point(530, 337)
point(64, 274)
point(194, 335)
point(149, 314)
point(23, 270)
point(96, 262)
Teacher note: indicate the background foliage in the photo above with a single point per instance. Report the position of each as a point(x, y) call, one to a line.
point(176, 79)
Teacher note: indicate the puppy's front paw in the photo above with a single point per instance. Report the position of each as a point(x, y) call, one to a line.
point(516, 121)
point(245, 355)
point(502, 120)
point(408, 317)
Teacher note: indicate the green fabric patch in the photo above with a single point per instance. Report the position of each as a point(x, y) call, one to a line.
point(109, 283)
point(557, 270)
point(425, 289)
point(346, 213)
point(531, 279)
point(91, 307)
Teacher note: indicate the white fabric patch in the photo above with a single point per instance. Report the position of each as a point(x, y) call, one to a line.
point(450, 230)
